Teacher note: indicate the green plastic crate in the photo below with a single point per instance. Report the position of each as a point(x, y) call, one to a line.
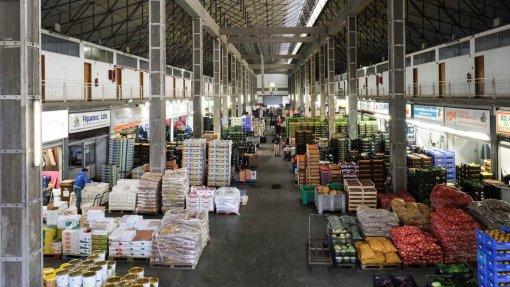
point(307, 194)
point(336, 186)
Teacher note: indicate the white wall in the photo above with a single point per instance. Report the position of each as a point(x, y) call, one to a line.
point(466, 150)
point(130, 83)
point(63, 72)
point(456, 70)
point(187, 87)
point(280, 81)
point(425, 137)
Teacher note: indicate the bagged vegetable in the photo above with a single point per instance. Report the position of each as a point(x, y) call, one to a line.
point(444, 196)
point(415, 246)
point(493, 213)
point(376, 222)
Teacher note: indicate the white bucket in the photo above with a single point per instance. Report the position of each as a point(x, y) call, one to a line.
point(154, 281)
point(137, 270)
point(101, 254)
point(75, 279)
point(89, 279)
point(113, 264)
point(63, 278)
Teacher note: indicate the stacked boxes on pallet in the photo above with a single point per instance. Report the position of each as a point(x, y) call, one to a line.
point(341, 149)
point(219, 167)
point(200, 198)
point(301, 169)
point(444, 159)
point(493, 257)
point(312, 165)
point(349, 170)
point(175, 187)
point(109, 174)
point(121, 154)
point(303, 138)
point(246, 124)
point(141, 154)
point(421, 181)
point(360, 192)
point(123, 195)
point(149, 195)
point(194, 160)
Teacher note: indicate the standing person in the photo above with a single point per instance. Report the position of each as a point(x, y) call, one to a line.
point(79, 183)
point(272, 123)
point(278, 129)
point(276, 145)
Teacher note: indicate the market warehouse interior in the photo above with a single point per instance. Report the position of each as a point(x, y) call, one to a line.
point(222, 143)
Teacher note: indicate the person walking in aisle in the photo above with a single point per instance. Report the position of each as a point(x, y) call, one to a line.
point(276, 145)
point(79, 183)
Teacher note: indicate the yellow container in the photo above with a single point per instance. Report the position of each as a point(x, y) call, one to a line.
point(47, 271)
point(50, 280)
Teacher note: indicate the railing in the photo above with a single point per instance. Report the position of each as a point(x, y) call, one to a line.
point(68, 91)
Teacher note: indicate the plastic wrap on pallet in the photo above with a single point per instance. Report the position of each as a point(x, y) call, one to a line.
point(219, 164)
point(227, 200)
point(149, 195)
point(93, 191)
point(175, 187)
point(123, 195)
point(376, 222)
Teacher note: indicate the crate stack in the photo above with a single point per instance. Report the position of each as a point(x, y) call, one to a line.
point(312, 165)
point(303, 138)
point(301, 169)
point(219, 164)
point(109, 174)
point(123, 195)
point(493, 257)
point(194, 160)
point(421, 181)
point(149, 194)
point(141, 154)
point(336, 173)
point(121, 153)
point(365, 169)
point(360, 192)
point(235, 122)
point(259, 126)
point(349, 170)
point(444, 159)
point(246, 124)
point(324, 149)
point(378, 173)
point(367, 128)
point(469, 171)
point(341, 148)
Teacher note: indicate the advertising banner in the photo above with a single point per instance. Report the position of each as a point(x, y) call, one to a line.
point(503, 122)
point(468, 120)
point(54, 125)
point(431, 113)
point(81, 122)
point(126, 118)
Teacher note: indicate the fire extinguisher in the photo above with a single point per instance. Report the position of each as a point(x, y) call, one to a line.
point(96, 81)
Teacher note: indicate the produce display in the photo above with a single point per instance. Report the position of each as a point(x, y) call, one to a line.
point(376, 222)
point(444, 196)
point(493, 213)
point(440, 281)
point(394, 280)
point(459, 271)
point(421, 182)
point(384, 199)
point(456, 232)
point(353, 224)
point(410, 213)
point(175, 187)
point(330, 198)
point(415, 246)
point(377, 250)
point(312, 165)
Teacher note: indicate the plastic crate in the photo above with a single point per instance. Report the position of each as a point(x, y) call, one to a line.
point(395, 278)
point(456, 276)
point(307, 194)
point(327, 202)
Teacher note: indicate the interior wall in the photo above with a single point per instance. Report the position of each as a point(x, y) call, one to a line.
point(280, 81)
point(426, 137)
point(504, 161)
point(466, 150)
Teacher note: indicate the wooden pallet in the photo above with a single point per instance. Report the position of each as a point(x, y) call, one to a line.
point(428, 265)
point(172, 266)
point(121, 211)
point(54, 256)
point(380, 266)
point(129, 259)
point(346, 265)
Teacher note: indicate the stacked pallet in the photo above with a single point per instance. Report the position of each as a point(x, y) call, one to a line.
point(141, 154)
point(301, 169)
point(360, 192)
point(175, 187)
point(246, 124)
point(121, 154)
point(445, 159)
point(341, 148)
point(194, 160)
point(259, 126)
point(349, 170)
point(312, 165)
point(219, 166)
point(421, 181)
point(123, 195)
point(109, 174)
point(303, 138)
point(149, 195)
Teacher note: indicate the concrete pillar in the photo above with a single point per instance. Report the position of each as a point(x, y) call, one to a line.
point(352, 66)
point(301, 89)
point(241, 105)
point(224, 92)
point(198, 76)
point(322, 81)
point(233, 73)
point(20, 145)
point(306, 95)
point(313, 87)
point(217, 86)
point(331, 85)
point(157, 67)
point(397, 66)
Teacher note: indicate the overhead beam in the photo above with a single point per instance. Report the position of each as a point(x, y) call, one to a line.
point(255, 40)
point(272, 66)
point(272, 57)
point(271, 30)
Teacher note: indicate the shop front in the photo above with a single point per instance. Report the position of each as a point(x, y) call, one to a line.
point(428, 125)
point(54, 133)
point(88, 142)
point(125, 122)
point(503, 131)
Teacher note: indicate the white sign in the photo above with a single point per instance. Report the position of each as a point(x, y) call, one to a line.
point(431, 113)
point(382, 108)
point(81, 122)
point(468, 120)
point(126, 118)
point(54, 125)
point(503, 122)
point(366, 106)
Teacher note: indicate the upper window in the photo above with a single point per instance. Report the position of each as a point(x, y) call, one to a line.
point(144, 65)
point(493, 41)
point(59, 45)
point(97, 54)
point(454, 50)
point(127, 61)
point(425, 57)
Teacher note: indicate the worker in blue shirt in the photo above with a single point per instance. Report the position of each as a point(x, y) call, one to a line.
point(79, 183)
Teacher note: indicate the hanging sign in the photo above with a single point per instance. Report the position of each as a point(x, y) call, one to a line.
point(468, 120)
point(503, 122)
point(366, 106)
point(431, 113)
point(126, 118)
point(54, 125)
point(81, 122)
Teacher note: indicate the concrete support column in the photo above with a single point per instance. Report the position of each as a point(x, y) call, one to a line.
point(322, 81)
point(331, 85)
point(306, 96)
point(241, 105)
point(313, 87)
point(157, 67)
point(233, 74)
point(198, 76)
point(217, 85)
point(397, 53)
point(224, 84)
point(352, 64)
point(20, 145)
point(301, 89)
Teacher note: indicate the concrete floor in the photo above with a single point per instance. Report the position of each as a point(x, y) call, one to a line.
point(266, 244)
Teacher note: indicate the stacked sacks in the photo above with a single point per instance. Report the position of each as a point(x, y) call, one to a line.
point(410, 213)
point(456, 231)
point(449, 197)
point(174, 189)
point(493, 213)
point(415, 246)
point(376, 222)
point(149, 195)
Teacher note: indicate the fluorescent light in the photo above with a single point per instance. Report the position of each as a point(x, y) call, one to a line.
point(37, 133)
point(130, 101)
point(451, 131)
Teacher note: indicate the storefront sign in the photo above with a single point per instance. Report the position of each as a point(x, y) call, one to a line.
point(503, 122)
point(366, 106)
point(81, 122)
point(54, 125)
point(468, 120)
point(411, 134)
point(126, 118)
point(382, 108)
point(430, 113)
